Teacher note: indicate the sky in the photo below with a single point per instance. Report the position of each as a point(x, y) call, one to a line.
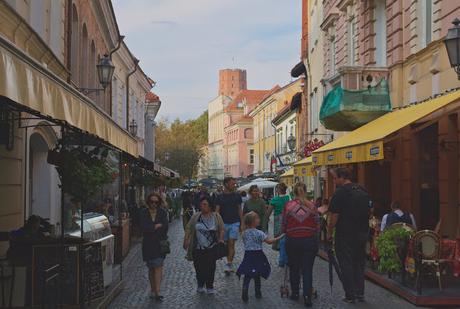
point(182, 44)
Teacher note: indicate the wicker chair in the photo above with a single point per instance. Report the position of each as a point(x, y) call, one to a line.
point(427, 250)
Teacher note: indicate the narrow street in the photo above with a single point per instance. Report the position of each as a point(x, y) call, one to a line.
point(179, 285)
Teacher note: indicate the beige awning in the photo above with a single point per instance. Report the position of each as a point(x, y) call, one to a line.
point(26, 82)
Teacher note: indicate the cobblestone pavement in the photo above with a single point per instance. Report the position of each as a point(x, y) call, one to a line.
point(179, 287)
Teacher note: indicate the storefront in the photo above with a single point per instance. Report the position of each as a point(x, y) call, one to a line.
point(304, 172)
point(39, 111)
point(409, 155)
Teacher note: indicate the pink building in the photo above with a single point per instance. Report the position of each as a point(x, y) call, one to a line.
point(239, 133)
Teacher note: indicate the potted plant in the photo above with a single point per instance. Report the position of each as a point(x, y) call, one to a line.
point(390, 244)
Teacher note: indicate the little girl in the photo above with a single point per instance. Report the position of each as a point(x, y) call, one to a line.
point(255, 263)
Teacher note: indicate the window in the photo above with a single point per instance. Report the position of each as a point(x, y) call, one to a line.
point(115, 99)
point(332, 52)
point(426, 22)
point(74, 41)
point(84, 58)
point(351, 41)
point(251, 156)
point(380, 33)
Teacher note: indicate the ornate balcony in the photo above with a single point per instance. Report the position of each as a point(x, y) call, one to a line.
point(357, 95)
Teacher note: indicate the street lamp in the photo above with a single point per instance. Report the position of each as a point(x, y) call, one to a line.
point(452, 42)
point(105, 69)
point(133, 127)
point(291, 142)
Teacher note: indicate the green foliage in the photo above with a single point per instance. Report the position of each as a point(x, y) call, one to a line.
point(183, 142)
point(387, 246)
point(83, 173)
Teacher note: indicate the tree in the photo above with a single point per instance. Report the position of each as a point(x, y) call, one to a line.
point(182, 140)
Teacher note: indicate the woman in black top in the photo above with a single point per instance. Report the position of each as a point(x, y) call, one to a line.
point(154, 224)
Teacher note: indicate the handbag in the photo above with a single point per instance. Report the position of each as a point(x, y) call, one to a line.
point(220, 250)
point(165, 247)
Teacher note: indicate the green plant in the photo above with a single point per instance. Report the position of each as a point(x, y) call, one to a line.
point(83, 172)
point(387, 245)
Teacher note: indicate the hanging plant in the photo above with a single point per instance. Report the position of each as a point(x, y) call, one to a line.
point(83, 172)
point(387, 245)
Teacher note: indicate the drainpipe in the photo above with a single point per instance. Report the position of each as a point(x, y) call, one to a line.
point(120, 40)
point(136, 65)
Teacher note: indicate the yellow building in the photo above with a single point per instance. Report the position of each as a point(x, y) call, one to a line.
point(264, 131)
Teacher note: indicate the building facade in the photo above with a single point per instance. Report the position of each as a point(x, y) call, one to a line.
point(57, 44)
point(264, 131)
point(152, 106)
point(216, 136)
point(372, 45)
point(239, 133)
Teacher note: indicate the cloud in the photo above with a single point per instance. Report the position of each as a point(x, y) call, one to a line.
point(182, 44)
point(163, 22)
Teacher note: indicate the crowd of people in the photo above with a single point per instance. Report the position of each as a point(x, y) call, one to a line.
point(214, 222)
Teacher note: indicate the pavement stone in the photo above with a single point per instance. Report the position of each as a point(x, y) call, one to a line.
point(179, 285)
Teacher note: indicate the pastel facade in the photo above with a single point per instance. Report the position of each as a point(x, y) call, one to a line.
point(264, 131)
point(239, 133)
point(400, 41)
point(216, 136)
point(35, 35)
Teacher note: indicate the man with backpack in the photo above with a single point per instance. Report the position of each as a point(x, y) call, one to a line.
point(349, 208)
point(397, 216)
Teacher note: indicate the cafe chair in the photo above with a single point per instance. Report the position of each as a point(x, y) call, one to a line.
point(427, 249)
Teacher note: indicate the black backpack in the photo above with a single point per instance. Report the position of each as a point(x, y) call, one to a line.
point(394, 218)
point(361, 204)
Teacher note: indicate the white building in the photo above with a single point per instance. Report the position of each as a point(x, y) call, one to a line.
point(216, 136)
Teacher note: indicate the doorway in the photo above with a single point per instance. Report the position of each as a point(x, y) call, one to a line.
point(429, 188)
point(39, 177)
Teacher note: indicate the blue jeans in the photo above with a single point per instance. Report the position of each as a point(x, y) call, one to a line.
point(301, 254)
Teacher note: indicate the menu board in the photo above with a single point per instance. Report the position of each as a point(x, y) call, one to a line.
point(62, 289)
point(93, 276)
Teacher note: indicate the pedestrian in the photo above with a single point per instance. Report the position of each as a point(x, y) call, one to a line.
point(228, 205)
point(277, 205)
point(300, 223)
point(204, 231)
point(257, 205)
point(349, 215)
point(187, 207)
point(202, 192)
point(244, 198)
point(397, 215)
point(154, 225)
point(255, 264)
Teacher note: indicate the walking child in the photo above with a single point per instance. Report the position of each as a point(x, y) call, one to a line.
point(255, 264)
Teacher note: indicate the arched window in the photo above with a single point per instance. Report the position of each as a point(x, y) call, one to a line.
point(84, 81)
point(92, 78)
point(247, 133)
point(75, 42)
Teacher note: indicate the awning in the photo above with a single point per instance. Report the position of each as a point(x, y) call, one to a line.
point(298, 70)
point(165, 171)
point(288, 173)
point(366, 143)
point(304, 168)
point(28, 83)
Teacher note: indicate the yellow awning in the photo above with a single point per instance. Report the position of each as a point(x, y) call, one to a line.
point(26, 82)
point(304, 168)
point(288, 173)
point(366, 143)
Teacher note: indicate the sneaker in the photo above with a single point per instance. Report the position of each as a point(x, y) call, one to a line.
point(349, 300)
point(228, 268)
point(200, 290)
point(211, 291)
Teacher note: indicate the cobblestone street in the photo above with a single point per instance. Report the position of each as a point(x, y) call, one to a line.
point(179, 285)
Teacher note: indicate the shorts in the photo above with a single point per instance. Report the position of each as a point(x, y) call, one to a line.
point(231, 231)
point(154, 263)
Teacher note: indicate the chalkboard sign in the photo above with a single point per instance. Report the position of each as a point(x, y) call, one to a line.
point(64, 288)
point(93, 276)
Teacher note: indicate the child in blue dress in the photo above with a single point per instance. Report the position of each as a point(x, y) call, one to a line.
point(255, 264)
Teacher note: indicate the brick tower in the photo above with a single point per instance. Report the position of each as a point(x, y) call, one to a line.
point(232, 81)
